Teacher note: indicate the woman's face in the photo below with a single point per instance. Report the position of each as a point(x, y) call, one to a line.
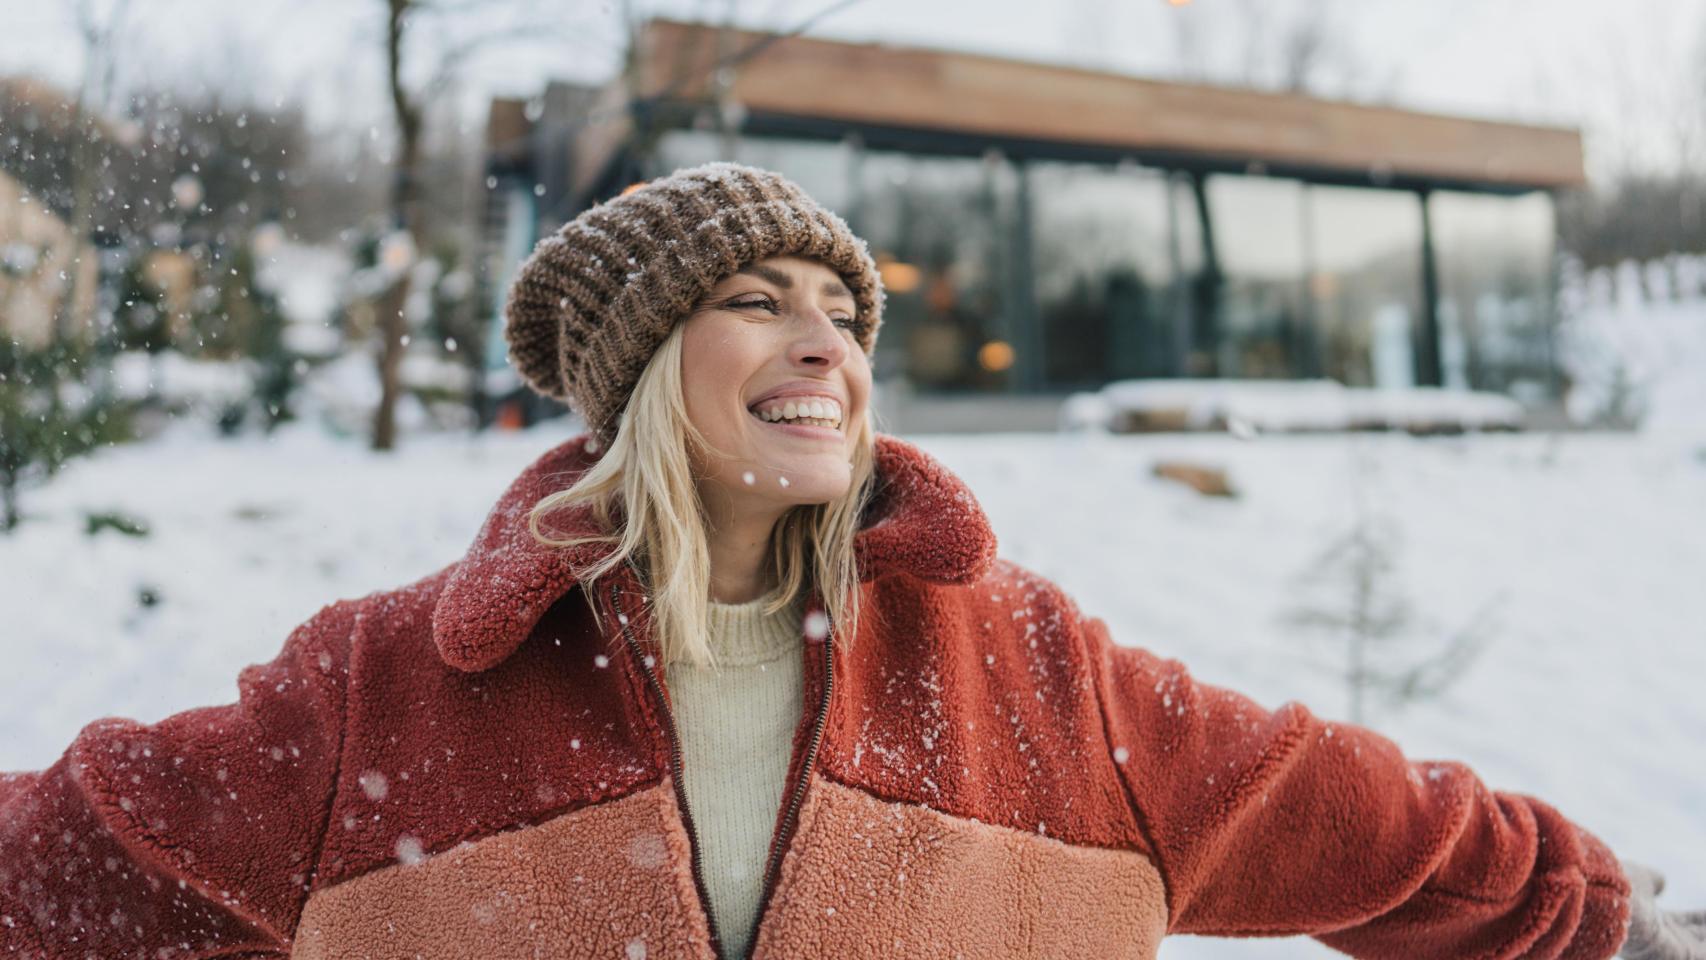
point(773, 376)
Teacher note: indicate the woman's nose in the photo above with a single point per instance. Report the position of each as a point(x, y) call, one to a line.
point(820, 341)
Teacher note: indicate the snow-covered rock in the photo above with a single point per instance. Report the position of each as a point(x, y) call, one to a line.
point(1285, 406)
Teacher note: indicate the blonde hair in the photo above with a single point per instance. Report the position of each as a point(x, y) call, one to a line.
point(643, 494)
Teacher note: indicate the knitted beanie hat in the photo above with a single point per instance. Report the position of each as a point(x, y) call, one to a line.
point(593, 302)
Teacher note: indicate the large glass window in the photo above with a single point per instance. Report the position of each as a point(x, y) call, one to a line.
point(1110, 284)
point(1365, 288)
point(1495, 312)
point(942, 230)
point(1105, 260)
point(1263, 323)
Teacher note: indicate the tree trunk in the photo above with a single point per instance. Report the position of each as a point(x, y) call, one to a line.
point(391, 324)
point(9, 496)
point(390, 327)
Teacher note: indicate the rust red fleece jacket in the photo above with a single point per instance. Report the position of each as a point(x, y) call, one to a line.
point(464, 766)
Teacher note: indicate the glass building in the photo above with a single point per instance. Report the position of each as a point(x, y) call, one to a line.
point(1045, 230)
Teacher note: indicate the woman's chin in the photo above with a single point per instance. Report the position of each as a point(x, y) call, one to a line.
point(814, 485)
point(797, 479)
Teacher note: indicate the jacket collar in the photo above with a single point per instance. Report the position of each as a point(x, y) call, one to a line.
point(922, 521)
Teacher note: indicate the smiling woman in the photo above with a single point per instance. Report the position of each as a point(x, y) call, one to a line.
point(909, 746)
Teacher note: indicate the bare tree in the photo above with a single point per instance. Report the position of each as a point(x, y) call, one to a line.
point(1362, 604)
point(1288, 47)
point(1303, 47)
point(403, 21)
point(1289, 51)
point(96, 30)
point(1647, 126)
point(704, 66)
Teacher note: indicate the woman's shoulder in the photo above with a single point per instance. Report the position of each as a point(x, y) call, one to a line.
point(1016, 588)
point(1008, 608)
point(389, 619)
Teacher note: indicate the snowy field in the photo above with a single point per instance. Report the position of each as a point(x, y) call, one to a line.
point(1588, 694)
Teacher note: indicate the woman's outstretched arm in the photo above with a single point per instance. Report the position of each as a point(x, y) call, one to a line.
point(1279, 823)
point(195, 836)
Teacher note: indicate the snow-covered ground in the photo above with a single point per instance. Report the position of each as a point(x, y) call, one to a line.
point(1590, 547)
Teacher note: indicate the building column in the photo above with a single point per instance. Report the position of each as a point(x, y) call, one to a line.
point(1021, 289)
point(1206, 290)
point(1429, 372)
point(1179, 290)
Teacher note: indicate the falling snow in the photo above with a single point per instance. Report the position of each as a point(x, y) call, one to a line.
point(374, 785)
point(647, 851)
point(409, 850)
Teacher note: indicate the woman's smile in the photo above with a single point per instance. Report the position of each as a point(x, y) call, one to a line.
point(810, 416)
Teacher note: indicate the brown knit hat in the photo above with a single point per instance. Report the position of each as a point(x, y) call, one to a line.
point(592, 303)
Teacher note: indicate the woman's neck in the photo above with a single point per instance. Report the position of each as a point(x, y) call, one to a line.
point(738, 541)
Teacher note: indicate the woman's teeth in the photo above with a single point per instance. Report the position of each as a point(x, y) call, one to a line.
point(816, 412)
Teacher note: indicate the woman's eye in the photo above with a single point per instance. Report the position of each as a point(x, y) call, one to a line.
point(767, 303)
point(760, 301)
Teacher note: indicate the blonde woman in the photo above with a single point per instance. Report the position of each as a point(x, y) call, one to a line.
point(732, 675)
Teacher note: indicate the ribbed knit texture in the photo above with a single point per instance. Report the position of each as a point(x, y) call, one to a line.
point(592, 302)
point(736, 725)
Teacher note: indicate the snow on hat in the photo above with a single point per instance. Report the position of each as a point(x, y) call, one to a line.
point(592, 303)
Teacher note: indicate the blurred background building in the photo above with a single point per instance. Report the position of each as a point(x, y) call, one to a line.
point(1043, 230)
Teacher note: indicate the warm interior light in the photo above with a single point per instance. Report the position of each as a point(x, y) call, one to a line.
point(898, 277)
point(995, 355)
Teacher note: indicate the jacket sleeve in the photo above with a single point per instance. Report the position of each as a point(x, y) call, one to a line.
point(192, 837)
point(1278, 823)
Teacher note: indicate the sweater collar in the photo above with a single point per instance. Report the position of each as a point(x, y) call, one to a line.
point(743, 635)
point(922, 521)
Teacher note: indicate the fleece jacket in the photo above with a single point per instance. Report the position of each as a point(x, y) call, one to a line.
point(465, 766)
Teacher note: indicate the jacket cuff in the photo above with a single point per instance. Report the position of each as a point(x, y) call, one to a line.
point(1605, 904)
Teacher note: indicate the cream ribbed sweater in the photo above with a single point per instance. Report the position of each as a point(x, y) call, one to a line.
point(736, 725)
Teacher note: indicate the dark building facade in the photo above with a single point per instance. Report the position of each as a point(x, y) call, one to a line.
point(1043, 229)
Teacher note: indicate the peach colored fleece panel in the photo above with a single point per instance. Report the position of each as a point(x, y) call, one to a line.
point(552, 891)
point(868, 878)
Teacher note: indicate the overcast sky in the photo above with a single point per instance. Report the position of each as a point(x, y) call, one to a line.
point(1628, 72)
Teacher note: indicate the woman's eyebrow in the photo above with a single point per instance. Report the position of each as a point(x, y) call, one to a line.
point(831, 288)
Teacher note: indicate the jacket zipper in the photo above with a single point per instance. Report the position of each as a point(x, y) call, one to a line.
point(773, 869)
point(780, 842)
